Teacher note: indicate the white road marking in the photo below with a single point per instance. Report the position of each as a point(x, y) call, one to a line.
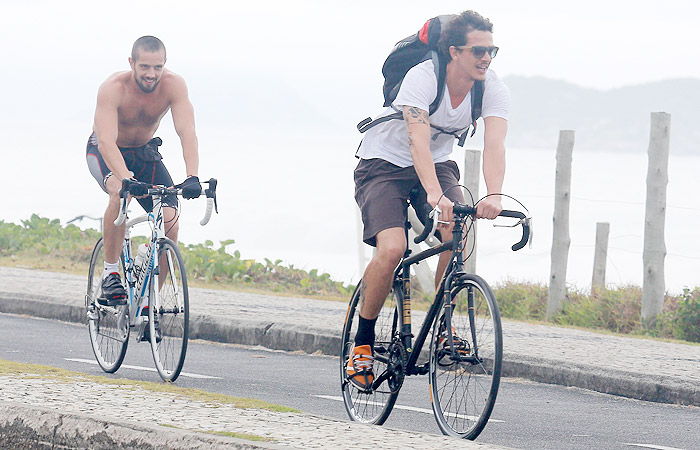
point(148, 369)
point(409, 408)
point(655, 447)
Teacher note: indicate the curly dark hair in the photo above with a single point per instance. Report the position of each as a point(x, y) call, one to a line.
point(455, 31)
point(147, 43)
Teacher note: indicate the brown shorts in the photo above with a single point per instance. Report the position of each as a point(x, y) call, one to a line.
point(382, 191)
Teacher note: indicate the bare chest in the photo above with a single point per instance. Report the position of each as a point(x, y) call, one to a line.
point(142, 112)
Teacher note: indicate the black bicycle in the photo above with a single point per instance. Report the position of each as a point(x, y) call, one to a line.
point(463, 326)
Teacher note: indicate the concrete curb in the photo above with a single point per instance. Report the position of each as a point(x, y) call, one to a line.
point(287, 337)
point(603, 379)
point(25, 427)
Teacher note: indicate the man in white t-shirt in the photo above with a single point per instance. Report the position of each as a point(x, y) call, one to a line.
point(398, 155)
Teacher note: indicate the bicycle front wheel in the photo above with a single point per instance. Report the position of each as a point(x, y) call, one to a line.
point(376, 406)
point(108, 325)
point(169, 312)
point(464, 377)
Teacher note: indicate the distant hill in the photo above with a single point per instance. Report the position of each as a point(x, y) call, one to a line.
point(604, 120)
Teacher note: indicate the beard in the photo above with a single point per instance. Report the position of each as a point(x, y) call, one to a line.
point(144, 87)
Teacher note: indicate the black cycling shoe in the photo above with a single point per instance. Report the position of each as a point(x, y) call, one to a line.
point(113, 292)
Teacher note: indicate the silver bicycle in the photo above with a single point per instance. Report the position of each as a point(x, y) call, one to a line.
point(156, 284)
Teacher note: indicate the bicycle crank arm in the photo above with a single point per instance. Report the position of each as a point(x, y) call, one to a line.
point(380, 379)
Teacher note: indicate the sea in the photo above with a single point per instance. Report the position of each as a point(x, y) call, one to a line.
point(289, 197)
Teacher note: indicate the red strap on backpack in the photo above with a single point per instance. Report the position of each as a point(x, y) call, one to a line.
point(423, 33)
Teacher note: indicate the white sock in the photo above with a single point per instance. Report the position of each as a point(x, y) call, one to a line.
point(110, 268)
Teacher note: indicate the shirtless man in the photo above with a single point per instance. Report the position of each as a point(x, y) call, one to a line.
point(130, 105)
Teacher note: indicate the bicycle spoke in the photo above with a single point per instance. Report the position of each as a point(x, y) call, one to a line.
point(170, 311)
point(464, 391)
point(107, 326)
point(373, 407)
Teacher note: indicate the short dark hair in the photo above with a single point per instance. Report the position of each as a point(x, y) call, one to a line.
point(147, 43)
point(456, 29)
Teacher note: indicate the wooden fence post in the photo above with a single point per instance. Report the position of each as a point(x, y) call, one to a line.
point(472, 169)
point(602, 233)
point(560, 239)
point(654, 286)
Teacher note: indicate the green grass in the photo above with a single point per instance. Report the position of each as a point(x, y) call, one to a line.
point(613, 310)
point(11, 368)
point(246, 436)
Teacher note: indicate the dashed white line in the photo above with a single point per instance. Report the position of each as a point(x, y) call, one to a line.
point(148, 369)
point(409, 408)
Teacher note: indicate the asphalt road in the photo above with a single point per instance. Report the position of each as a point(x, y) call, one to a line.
point(527, 415)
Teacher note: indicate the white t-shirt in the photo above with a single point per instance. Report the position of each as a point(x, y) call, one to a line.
point(389, 140)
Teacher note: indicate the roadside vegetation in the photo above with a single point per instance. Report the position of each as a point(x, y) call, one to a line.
point(45, 244)
point(41, 243)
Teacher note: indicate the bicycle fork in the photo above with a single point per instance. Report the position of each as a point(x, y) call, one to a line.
point(472, 358)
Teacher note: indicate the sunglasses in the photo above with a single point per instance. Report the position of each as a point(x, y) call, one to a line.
point(479, 50)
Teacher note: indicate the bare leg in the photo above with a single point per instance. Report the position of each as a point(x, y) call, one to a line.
point(441, 267)
point(172, 227)
point(376, 283)
point(112, 236)
point(171, 223)
point(446, 234)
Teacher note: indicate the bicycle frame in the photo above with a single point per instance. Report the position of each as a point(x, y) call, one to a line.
point(402, 287)
point(443, 297)
point(137, 286)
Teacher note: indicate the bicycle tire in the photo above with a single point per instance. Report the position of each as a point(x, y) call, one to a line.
point(108, 326)
point(172, 312)
point(463, 393)
point(376, 406)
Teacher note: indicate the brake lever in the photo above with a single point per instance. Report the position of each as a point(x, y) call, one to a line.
point(523, 221)
point(434, 214)
point(210, 192)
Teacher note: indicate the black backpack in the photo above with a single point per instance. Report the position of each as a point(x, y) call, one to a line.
point(413, 50)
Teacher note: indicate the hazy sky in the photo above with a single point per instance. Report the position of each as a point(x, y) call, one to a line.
point(326, 54)
point(254, 67)
point(593, 43)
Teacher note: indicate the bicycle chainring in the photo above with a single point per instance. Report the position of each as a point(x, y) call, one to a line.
point(398, 359)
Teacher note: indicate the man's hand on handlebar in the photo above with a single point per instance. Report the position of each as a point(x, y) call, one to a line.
point(489, 207)
point(191, 187)
point(134, 187)
point(445, 205)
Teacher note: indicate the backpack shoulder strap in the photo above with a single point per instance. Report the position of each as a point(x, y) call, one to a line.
point(440, 73)
point(477, 99)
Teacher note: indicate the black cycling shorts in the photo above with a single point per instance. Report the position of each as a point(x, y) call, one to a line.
point(144, 162)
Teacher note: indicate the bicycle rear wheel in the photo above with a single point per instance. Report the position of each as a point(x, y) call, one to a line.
point(376, 406)
point(171, 312)
point(463, 389)
point(108, 325)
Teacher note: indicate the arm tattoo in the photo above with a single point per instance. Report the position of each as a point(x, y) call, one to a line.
point(411, 114)
point(414, 116)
